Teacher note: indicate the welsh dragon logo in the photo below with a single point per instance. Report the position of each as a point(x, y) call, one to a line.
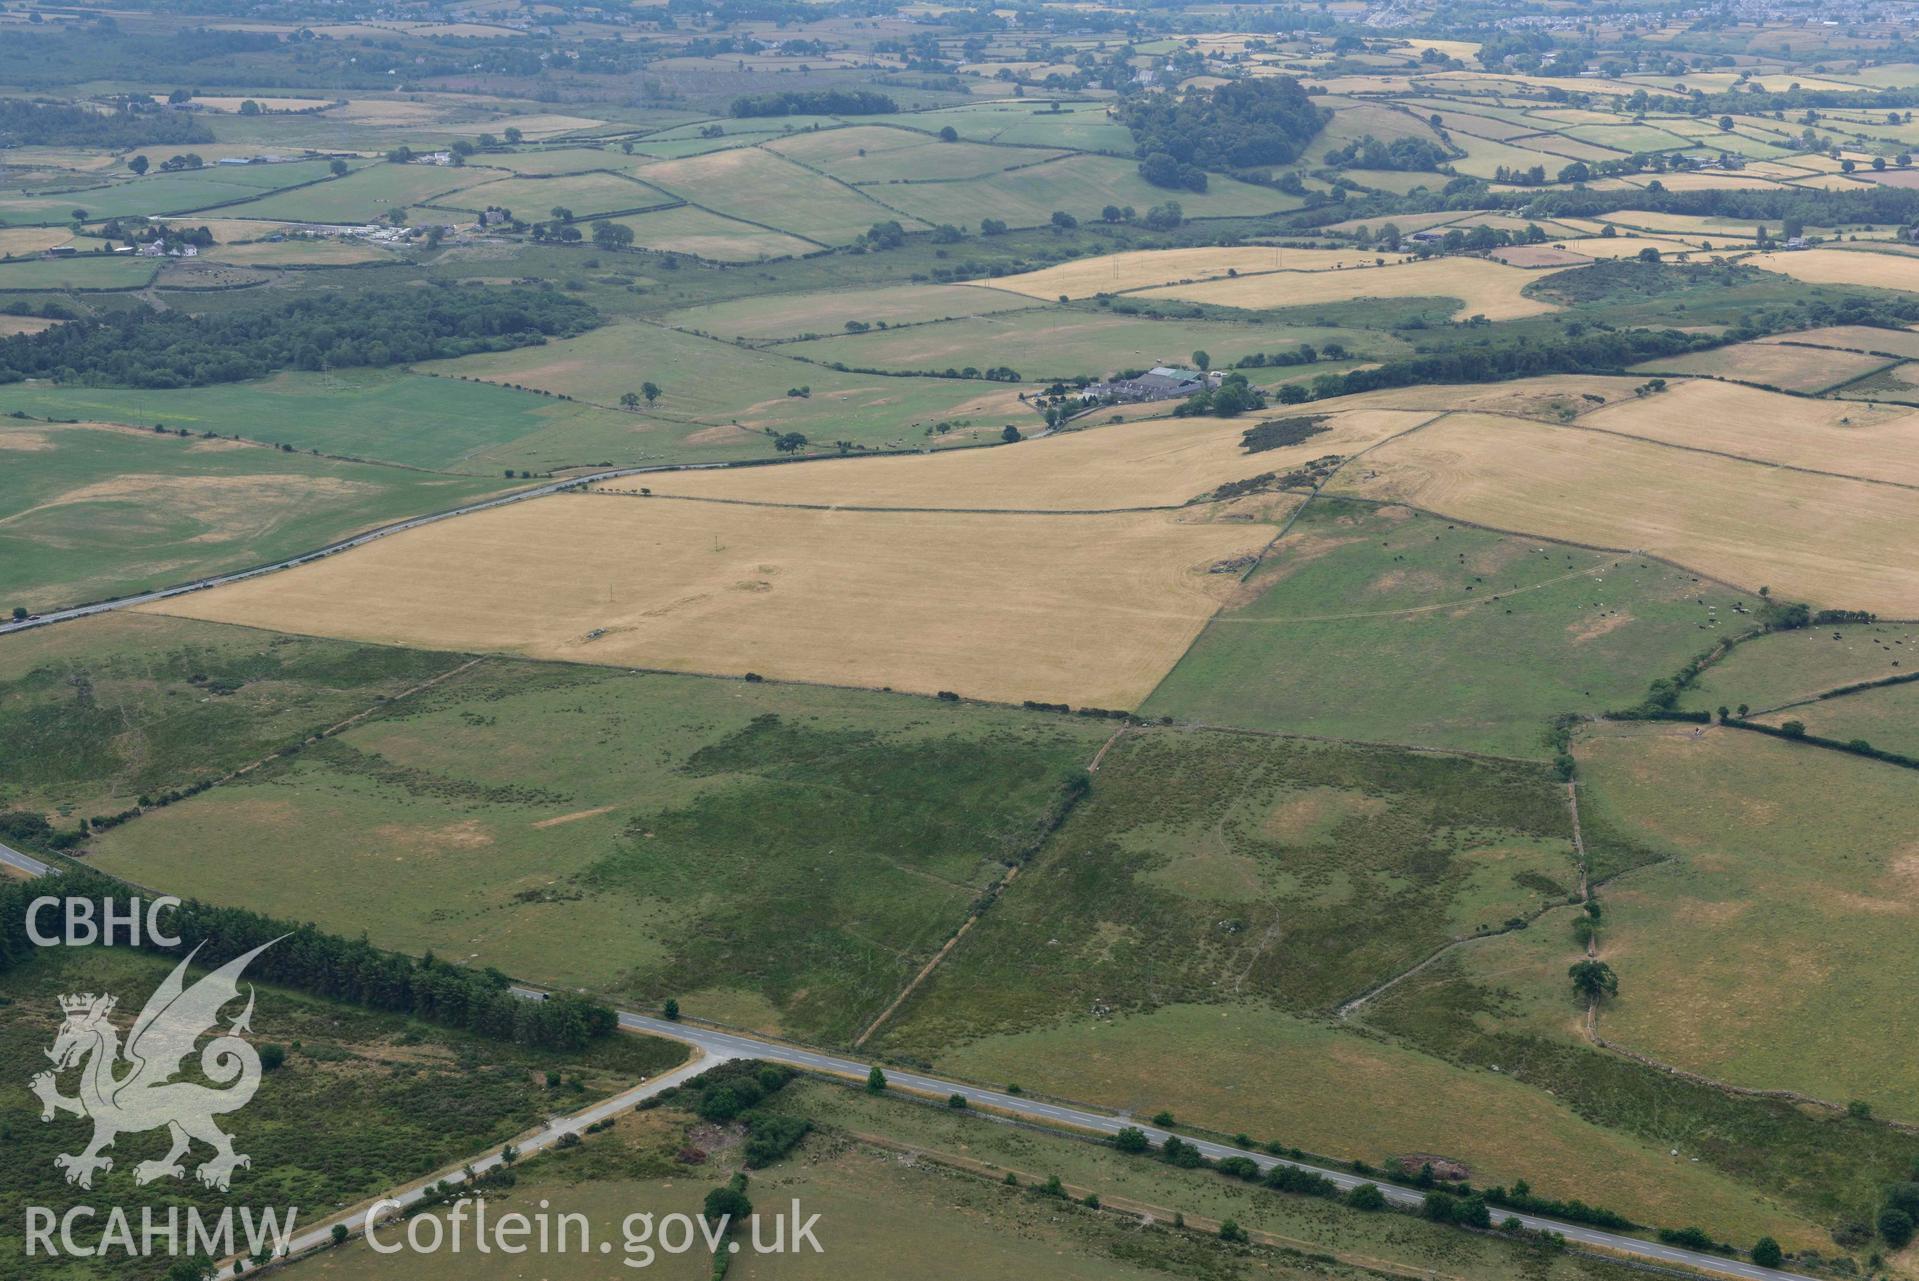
point(131, 1091)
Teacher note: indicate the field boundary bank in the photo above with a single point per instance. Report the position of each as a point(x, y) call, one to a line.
point(1727, 1087)
point(1285, 528)
point(1639, 552)
point(192, 437)
point(1730, 457)
point(1150, 1215)
point(913, 511)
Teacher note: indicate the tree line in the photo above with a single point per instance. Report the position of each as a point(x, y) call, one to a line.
point(821, 102)
point(24, 123)
point(172, 349)
point(328, 965)
point(1496, 362)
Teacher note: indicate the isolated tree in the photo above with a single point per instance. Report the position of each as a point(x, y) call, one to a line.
point(651, 391)
point(1131, 1139)
point(875, 1080)
point(1593, 980)
point(728, 1205)
point(1010, 434)
point(513, 136)
point(629, 400)
point(1895, 1225)
point(949, 134)
point(20, 613)
point(337, 167)
point(671, 1010)
point(560, 213)
point(1063, 221)
point(138, 164)
point(1766, 1253)
point(791, 443)
point(1202, 360)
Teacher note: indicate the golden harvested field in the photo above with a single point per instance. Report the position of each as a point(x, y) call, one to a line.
point(1156, 463)
point(1794, 368)
point(31, 240)
point(10, 325)
point(1831, 541)
point(1143, 268)
point(1716, 230)
point(1841, 267)
point(1897, 342)
point(1088, 609)
point(1875, 442)
point(1548, 398)
point(1533, 257)
point(1483, 288)
point(1629, 246)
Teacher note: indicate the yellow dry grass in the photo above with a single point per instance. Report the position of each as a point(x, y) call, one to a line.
point(31, 240)
point(1157, 463)
point(1876, 442)
point(1087, 609)
point(1550, 397)
point(10, 325)
point(1896, 342)
point(1144, 268)
point(1841, 267)
point(1629, 246)
point(1831, 541)
point(1483, 287)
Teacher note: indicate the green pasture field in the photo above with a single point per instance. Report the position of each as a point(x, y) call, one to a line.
point(1887, 718)
point(165, 193)
point(88, 512)
point(1506, 1004)
point(758, 186)
point(365, 194)
point(96, 713)
point(1385, 625)
point(363, 1102)
point(1314, 1223)
point(1047, 343)
point(753, 129)
point(1083, 126)
point(1791, 865)
point(1789, 667)
point(531, 199)
point(1353, 1095)
point(1628, 138)
point(882, 155)
point(781, 856)
point(1079, 185)
point(1484, 157)
point(881, 1213)
point(828, 312)
point(556, 160)
point(715, 383)
point(383, 415)
point(1216, 866)
point(1353, 120)
point(91, 271)
point(684, 229)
